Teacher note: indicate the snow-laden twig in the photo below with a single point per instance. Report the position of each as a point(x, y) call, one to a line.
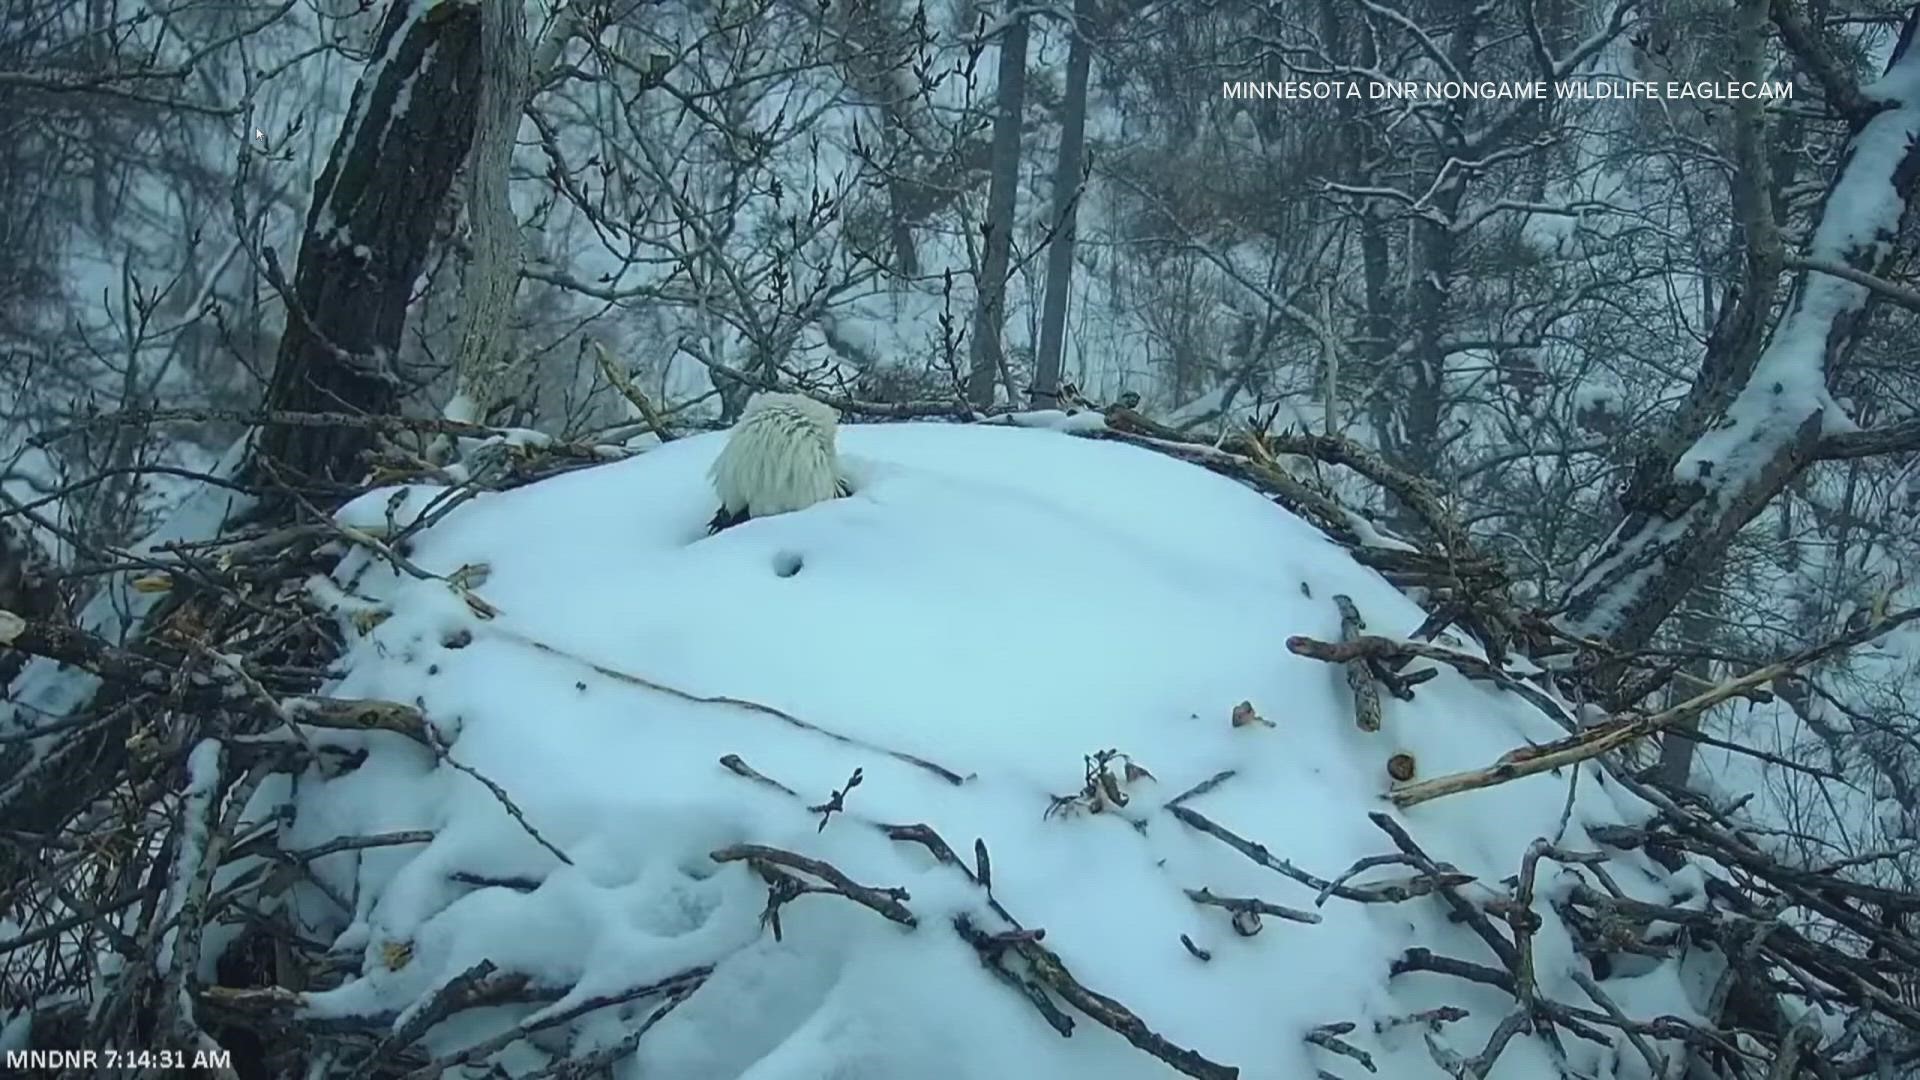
point(1592, 743)
point(598, 668)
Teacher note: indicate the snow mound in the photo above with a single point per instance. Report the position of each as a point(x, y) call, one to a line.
point(992, 603)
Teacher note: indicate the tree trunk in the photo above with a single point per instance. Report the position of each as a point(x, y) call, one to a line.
point(1066, 209)
point(1416, 442)
point(990, 313)
point(1679, 521)
point(486, 361)
point(366, 238)
point(1413, 437)
point(1695, 630)
point(877, 66)
point(368, 232)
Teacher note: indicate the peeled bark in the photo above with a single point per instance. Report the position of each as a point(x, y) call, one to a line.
point(368, 233)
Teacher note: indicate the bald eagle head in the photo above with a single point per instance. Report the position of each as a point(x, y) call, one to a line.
point(779, 458)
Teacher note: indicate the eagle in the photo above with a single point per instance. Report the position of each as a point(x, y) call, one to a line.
point(779, 458)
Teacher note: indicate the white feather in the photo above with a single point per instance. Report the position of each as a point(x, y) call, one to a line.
point(779, 457)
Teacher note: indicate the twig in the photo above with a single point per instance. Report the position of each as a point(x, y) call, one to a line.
point(1200, 788)
point(1048, 970)
point(480, 984)
point(1366, 696)
point(946, 774)
point(1656, 1064)
point(1327, 1037)
point(1475, 919)
point(1251, 905)
point(625, 387)
point(678, 986)
point(1597, 741)
point(889, 903)
point(361, 714)
point(445, 752)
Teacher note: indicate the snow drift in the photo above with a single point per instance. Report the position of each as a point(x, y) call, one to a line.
point(991, 607)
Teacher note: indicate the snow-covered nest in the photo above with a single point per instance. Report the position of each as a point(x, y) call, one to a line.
point(992, 606)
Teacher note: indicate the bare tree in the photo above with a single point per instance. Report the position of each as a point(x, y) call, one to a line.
point(1775, 415)
point(1649, 359)
point(988, 360)
point(1067, 180)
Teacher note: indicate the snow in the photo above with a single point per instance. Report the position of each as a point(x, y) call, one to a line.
point(999, 600)
point(1549, 234)
point(1857, 226)
point(1596, 398)
point(1054, 420)
point(202, 787)
point(1785, 401)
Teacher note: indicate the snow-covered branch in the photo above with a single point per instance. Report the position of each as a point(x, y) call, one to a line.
point(1774, 427)
point(1900, 294)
